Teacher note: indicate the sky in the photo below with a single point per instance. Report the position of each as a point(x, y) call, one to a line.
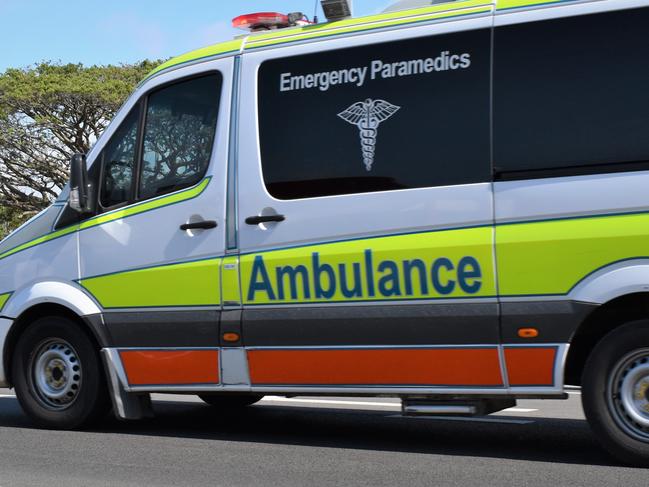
point(126, 31)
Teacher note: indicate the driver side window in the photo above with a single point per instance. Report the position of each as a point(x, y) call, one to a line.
point(173, 148)
point(119, 163)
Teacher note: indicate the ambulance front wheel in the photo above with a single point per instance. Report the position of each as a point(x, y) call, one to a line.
point(58, 376)
point(615, 392)
point(230, 401)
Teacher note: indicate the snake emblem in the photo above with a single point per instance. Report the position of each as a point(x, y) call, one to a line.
point(367, 116)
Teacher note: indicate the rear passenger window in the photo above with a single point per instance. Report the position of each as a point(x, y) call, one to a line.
point(399, 115)
point(572, 94)
point(178, 135)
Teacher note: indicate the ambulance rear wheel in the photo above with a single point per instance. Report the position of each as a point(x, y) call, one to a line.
point(230, 401)
point(615, 392)
point(58, 376)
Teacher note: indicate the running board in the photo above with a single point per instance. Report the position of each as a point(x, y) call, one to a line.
point(482, 407)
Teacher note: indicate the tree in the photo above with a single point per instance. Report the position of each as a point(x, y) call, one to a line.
point(47, 113)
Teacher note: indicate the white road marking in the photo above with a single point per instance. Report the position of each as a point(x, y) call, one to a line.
point(362, 403)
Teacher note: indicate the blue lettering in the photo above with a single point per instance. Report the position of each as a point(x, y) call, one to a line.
point(318, 270)
point(258, 267)
point(391, 279)
point(469, 269)
point(408, 266)
point(437, 284)
point(292, 273)
point(369, 272)
point(357, 291)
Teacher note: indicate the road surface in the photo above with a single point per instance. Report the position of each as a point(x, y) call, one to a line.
point(313, 441)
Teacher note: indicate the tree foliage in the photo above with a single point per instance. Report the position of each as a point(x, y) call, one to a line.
point(47, 113)
point(10, 219)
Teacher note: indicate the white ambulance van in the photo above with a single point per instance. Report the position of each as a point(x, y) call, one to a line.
point(447, 204)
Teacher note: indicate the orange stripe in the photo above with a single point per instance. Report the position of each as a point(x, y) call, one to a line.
point(532, 366)
point(157, 367)
point(448, 367)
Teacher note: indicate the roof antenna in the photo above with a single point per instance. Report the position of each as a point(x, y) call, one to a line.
point(315, 12)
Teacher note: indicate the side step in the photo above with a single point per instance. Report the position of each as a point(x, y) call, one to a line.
point(477, 407)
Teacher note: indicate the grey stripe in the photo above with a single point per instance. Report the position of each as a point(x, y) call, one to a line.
point(467, 323)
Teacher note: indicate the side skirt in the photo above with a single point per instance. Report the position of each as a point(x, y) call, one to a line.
point(228, 370)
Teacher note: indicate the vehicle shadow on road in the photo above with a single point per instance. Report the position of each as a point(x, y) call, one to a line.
point(545, 440)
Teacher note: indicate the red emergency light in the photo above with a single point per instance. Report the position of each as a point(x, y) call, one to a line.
point(261, 21)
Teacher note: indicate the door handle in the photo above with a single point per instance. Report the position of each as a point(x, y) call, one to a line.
point(201, 225)
point(256, 220)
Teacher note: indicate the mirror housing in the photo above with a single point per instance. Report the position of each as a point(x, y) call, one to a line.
point(79, 189)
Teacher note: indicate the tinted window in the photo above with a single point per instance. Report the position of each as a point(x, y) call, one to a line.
point(572, 92)
point(399, 115)
point(119, 163)
point(178, 135)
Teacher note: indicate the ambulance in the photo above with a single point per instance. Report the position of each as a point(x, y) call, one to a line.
point(446, 203)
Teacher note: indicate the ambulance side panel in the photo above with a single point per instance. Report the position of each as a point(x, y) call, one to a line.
point(380, 276)
point(571, 111)
point(159, 286)
point(38, 265)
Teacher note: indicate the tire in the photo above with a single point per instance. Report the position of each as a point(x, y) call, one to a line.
point(58, 376)
point(230, 401)
point(615, 392)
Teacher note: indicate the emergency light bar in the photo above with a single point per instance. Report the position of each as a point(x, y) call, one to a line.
point(261, 21)
point(269, 21)
point(336, 9)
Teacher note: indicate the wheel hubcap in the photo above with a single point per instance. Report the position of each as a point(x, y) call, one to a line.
point(628, 394)
point(56, 374)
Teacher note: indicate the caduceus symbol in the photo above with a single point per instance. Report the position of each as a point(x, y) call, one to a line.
point(367, 116)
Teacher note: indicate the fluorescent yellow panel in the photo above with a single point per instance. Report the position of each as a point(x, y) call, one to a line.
point(187, 284)
point(433, 265)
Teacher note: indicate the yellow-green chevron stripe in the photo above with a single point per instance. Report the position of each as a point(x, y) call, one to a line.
point(369, 23)
point(134, 209)
point(40, 240)
point(147, 205)
point(223, 48)
point(380, 21)
point(534, 258)
point(507, 4)
point(186, 284)
point(551, 257)
point(350, 26)
point(230, 287)
point(433, 265)
point(3, 300)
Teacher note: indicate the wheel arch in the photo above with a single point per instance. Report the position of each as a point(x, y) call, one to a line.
point(615, 280)
point(49, 299)
point(607, 317)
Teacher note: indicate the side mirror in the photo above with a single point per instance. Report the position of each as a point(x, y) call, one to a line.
point(79, 191)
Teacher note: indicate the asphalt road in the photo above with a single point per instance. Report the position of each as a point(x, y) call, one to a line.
point(313, 441)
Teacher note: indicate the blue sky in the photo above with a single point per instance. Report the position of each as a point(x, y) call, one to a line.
point(125, 31)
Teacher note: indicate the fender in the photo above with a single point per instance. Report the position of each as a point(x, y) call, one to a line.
point(613, 281)
point(67, 294)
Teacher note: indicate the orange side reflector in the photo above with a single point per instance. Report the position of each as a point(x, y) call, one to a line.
point(528, 332)
point(231, 337)
point(162, 367)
